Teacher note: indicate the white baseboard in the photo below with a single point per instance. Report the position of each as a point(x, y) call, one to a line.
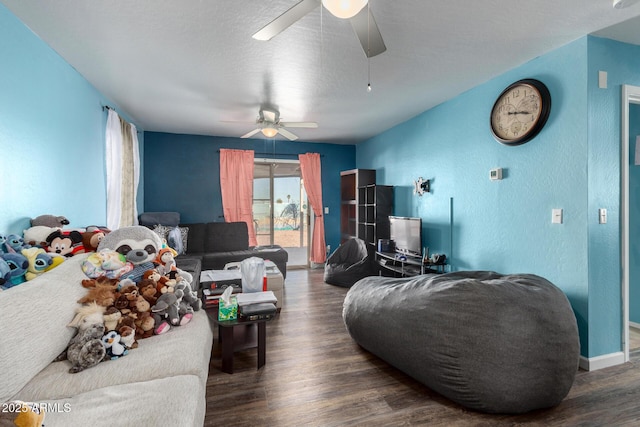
point(634, 325)
point(601, 362)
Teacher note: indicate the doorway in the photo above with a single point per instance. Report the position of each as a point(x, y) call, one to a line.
point(280, 208)
point(630, 127)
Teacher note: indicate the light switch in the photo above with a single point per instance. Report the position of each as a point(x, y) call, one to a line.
point(556, 216)
point(326, 210)
point(602, 214)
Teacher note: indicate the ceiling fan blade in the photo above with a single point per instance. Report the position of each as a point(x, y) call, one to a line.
point(250, 134)
point(287, 134)
point(299, 124)
point(285, 20)
point(368, 32)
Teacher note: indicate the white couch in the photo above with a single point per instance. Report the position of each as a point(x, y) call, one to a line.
point(162, 382)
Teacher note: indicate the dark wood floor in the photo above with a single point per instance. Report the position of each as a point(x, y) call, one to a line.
point(315, 375)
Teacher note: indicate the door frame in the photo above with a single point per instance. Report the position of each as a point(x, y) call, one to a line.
point(305, 219)
point(630, 95)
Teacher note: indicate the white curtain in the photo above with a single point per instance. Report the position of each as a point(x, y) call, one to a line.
point(123, 172)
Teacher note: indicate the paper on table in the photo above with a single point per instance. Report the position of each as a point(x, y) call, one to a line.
point(217, 275)
point(256, 297)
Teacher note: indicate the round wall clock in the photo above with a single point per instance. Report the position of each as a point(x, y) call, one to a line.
point(520, 112)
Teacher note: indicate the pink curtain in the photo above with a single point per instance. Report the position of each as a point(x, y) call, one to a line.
point(312, 176)
point(236, 185)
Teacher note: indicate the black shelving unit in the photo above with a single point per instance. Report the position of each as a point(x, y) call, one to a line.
point(375, 204)
point(350, 182)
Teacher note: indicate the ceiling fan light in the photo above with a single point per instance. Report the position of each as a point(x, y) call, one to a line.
point(344, 9)
point(269, 132)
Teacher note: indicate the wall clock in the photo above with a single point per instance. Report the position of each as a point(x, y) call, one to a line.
point(520, 112)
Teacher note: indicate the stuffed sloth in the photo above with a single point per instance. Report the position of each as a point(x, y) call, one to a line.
point(139, 245)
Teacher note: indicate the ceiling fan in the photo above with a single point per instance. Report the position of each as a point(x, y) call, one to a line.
point(356, 11)
point(268, 122)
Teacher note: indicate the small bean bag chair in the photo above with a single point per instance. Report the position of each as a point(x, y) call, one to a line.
point(349, 263)
point(490, 342)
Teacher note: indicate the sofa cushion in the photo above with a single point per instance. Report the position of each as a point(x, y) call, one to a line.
point(33, 323)
point(226, 237)
point(167, 401)
point(184, 350)
point(163, 218)
point(195, 237)
point(217, 260)
point(192, 265)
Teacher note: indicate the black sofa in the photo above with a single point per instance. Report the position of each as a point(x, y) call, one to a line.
point(211, 245)
point(217, 243)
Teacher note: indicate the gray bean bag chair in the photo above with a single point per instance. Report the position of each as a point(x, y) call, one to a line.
point(348, 264)
point(490, 342)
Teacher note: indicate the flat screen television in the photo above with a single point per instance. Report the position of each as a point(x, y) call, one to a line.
point(406, 233)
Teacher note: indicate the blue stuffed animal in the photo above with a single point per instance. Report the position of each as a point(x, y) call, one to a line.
point(15, 242)
point(18, 264)
point(5, 273)
point(39, 262)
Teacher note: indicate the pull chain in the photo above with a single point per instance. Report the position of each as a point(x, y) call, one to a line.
point(368, 47)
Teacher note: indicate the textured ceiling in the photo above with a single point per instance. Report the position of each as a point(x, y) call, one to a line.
point(185, 66)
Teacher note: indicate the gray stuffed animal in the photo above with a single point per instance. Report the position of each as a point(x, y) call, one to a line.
point(165, 311)
point(138, 244)
point(190, 298)
point(86, 349)
point(49, 221)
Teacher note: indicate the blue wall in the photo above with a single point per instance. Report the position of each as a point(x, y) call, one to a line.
point(182, 173)
point(573, 164)
point(505, 225)
point(51, 134)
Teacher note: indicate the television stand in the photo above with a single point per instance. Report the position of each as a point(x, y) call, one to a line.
point(401, 265)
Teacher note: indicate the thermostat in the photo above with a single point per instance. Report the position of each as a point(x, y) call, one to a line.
point(495, 174)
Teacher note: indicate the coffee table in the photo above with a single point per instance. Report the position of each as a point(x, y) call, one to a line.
point(225, 334)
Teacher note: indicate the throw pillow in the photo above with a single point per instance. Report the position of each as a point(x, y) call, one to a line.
point(162, 231)
point(184, 233)
point(177, 241)
point(174, 240)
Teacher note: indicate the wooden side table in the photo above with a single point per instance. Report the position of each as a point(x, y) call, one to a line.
point(225, 333)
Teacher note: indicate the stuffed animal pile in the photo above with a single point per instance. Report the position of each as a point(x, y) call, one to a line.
point(139, 292)
point(42, 247)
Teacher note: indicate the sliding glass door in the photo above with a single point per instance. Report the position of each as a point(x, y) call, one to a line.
point(280, 209)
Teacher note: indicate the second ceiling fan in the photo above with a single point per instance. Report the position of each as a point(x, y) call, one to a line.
point(356, 11)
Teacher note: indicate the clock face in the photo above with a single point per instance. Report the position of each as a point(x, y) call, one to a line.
point(520, 112)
